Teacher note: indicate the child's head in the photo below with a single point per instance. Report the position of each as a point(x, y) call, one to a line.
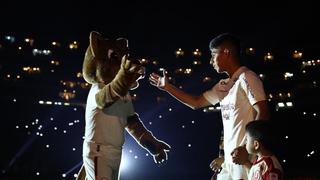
point(259, 134)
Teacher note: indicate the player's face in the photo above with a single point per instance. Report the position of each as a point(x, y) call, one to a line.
point(250, 144)
point(217, 60)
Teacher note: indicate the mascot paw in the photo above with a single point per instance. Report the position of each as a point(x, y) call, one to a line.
point(162, 152)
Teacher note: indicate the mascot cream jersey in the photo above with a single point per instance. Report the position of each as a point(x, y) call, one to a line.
point(109, 110)
point(106, 126)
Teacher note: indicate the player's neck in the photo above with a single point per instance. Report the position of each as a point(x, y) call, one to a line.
point(233, 69)
point(264, 153)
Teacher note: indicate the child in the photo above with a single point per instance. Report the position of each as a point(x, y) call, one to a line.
point(259, 142)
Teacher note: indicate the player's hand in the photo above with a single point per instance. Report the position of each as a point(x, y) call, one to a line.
point(215, 165)
point(240, 155)
point(160, 82)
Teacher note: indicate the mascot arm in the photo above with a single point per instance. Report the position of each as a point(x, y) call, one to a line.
point(105, 96)
point(157, 148)
point(126, 78)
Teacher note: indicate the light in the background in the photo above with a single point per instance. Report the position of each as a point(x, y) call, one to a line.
point(55, 43)
point(79, 74)
point(206, 79)
point(262, 76)
point(283, 105)
point(312, 152)
point(73, 45)
point(250, 50)
point(11, 39)
point(67, 95)
point(196, 52)
point(188, 71)
point(268, 57)
point(31, 70)
point(297, 54)
point(125, 165)
point(179, 71)
point(287, 75)
point(289, 104)
point(196, 62)
point(56, 63)
point(36, 52)
point(280, 104)
point(143, 61)
point(179, 52)
point(155, 63)
point(29, 41)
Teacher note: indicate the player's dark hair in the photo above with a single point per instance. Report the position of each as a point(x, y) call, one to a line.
point(226, 38)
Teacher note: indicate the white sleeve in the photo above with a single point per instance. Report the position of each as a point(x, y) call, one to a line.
point(253, 87)
point(215, 94)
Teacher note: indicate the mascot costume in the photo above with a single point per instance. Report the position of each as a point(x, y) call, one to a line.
point(109, 109)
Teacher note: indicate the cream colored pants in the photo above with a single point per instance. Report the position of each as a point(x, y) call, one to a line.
point(101, 162)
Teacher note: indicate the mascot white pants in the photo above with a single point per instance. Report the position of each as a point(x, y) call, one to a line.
point(101, 162)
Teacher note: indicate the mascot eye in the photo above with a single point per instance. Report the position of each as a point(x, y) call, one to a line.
point(113, 55)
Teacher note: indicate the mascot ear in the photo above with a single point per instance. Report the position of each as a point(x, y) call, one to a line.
point(123, 43)
point(94, 39)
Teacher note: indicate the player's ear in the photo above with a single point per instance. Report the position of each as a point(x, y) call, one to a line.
point(256, 144)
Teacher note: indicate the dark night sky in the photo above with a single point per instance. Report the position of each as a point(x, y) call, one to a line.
point(154, 26)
